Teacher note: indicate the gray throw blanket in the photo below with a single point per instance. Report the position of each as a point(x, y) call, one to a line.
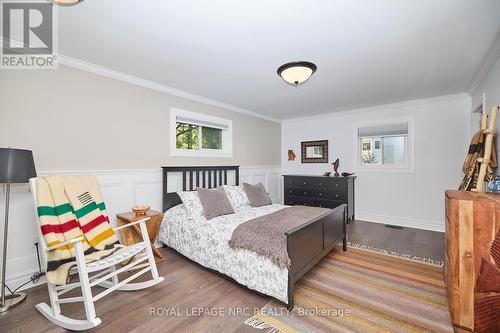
point(266, 234)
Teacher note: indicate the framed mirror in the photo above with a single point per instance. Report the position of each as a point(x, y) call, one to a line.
point(315, 151)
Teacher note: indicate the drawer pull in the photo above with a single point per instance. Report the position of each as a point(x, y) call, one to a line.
point(305, 183)
point(305, 192)
point(337, 185)
point(320, 184)
point(336, 196)
point(291, 191)
point(320, 194)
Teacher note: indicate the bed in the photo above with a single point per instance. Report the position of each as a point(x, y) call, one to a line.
point(206, 242)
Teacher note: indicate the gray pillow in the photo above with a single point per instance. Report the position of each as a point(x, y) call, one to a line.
point(257, 195)
point(215, 202)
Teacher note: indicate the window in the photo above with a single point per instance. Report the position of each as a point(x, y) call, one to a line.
point(195, 134)
point(385, 146)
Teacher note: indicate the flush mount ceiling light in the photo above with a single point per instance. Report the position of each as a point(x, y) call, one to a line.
point(66, 2)
point(297, 72)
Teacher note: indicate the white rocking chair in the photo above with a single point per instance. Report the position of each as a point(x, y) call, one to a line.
point(106, 275)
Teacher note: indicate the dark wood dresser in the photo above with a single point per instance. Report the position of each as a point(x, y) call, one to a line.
point(320, 191)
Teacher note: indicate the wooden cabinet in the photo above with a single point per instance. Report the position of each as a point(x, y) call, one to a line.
point(472, 221)
point(320, 191)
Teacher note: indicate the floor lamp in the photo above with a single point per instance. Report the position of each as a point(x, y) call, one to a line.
point(16, 167)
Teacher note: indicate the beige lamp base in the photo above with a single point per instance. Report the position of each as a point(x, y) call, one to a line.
point(12, 301)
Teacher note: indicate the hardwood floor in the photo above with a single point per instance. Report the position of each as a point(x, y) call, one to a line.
point(414, 242)
point(188, 287)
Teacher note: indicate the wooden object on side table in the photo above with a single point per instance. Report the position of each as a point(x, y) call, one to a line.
point(472, 222)
point(133, 235)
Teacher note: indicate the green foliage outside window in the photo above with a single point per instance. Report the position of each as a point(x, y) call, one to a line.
point(187, 137)
point(211, 138)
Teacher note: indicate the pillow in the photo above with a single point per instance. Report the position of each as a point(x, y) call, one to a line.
point(215, 202)
point(257, 195)
point(237, 196)
point(192, 203)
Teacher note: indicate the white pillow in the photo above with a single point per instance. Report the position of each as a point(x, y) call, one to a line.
point(192, 203)
point(237, 196)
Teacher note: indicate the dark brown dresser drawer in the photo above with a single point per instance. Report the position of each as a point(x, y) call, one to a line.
point(317, 193)
point(337, 185)
point(296, 182)
point(305, 182)
point(330, 195)
point(318, 183)
point(327, 203)
point(300, 192)
point(293, 201)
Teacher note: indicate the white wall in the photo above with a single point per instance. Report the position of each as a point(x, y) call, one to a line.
point(121, 189)
point(491, 87)
point(415, 199)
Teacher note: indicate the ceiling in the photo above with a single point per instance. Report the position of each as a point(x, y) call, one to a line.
point(367, 52)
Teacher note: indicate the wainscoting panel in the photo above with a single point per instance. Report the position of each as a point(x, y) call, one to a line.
point(121, 189)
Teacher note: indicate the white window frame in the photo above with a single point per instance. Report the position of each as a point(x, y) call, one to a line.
point(388, 168)
point(227, 135)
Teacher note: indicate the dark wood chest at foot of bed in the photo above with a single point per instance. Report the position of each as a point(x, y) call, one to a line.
point(320, 191)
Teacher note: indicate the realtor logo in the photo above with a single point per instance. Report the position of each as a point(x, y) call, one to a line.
point(28, 32)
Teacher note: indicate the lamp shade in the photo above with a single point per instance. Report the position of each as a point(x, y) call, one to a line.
point(16, 166)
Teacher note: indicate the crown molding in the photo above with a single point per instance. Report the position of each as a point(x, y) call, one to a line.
point(486, 65)
point(103, 71)
point(380, 107)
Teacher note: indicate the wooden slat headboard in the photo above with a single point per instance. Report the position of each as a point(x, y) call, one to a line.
point(196, 176)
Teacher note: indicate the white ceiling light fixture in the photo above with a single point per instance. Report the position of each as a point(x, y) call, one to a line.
point(297, 72)
point(66, 2)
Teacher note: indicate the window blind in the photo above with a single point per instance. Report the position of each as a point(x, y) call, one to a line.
point(384, 130)
point(201, 123)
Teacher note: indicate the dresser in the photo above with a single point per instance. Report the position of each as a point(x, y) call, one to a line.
point(319, 191)
point(472, 221)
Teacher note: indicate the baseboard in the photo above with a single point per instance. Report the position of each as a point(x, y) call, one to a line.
point(402, 221)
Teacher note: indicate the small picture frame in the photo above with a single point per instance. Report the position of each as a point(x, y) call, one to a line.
point(314, 151)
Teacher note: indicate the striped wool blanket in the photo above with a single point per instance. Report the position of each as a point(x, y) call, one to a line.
point(71, 207)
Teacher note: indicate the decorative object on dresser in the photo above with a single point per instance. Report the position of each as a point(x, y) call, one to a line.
point(320, 191)
point(472, 221)
point(314, 151)
point(291, 155)
point(133, 235)
point(336, 167)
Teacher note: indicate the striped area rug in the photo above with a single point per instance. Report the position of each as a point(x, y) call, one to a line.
point(361, 291)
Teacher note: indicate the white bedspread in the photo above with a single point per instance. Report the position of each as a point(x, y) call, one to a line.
point(206, 242)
